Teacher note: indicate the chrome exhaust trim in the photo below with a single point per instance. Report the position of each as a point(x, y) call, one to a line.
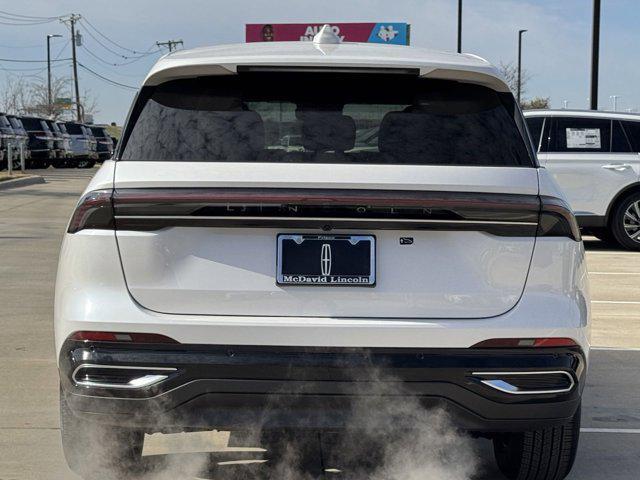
point(504, 386)
point(141, 381)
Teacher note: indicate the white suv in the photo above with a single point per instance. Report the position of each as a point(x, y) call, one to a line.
point(215, 276)
point(595, 157)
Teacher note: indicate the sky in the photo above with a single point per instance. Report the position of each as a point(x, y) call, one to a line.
point(556, 48)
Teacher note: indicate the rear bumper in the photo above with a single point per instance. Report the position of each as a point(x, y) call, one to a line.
point(241, 387)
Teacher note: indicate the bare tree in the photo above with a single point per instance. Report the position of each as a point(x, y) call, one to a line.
point(22, 97)
point(536, 103)
point(14, 95)
point(510, 73)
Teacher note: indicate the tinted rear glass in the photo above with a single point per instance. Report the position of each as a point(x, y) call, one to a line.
point(98, 132)
point(4, 121)
point(325, 118)
point(32, 123)
point(74, 129)
point(534, 124)
point(632, 129)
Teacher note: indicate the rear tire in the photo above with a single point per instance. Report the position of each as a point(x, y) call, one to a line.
point(85, 163)
point(546, 454)
point(93, 450)
point(625, 219)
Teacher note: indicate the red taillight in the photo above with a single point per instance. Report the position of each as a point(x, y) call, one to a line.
point(525, 342)
point(85, 336)
point(94, 210)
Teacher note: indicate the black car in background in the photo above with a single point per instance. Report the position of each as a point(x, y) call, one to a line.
point(105, 143)
point(7, 140)
point(41, 141)
point(22, 137)
point(62, 148)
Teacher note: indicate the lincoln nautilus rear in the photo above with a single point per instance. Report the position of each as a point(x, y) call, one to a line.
point(283, 225)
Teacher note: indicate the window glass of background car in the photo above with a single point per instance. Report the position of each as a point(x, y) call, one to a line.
point(587, 135)
point(534, 124)
point(632, 129)
point(4, 122)
point(74, 129)
point(619, 140)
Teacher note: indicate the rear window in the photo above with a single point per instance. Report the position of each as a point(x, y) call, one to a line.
point(74, 129)
point(4, 122)
point(326, 118)
point(34, 124)
point(98, 132)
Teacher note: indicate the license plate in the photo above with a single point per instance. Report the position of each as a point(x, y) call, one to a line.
point(347, 260)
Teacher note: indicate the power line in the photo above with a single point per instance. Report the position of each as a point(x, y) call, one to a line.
point(100, 59)
point(107, 79)
point(89, 24)
point(29, 16)
point(118, 54)
point(30, 61)
point(24, 24)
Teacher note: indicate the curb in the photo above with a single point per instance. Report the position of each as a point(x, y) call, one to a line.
point(21, 182)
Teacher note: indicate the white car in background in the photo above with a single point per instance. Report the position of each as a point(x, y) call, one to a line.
point(213, 276)
point(595, 157)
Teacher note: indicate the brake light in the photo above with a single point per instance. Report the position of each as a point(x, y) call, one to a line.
point(526, 343)
point(557, 219)
point(88, 336)
point(94, 210)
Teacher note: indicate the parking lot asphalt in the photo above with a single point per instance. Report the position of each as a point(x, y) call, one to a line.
point(32, 221)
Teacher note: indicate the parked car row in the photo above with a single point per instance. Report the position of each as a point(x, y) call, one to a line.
point(47, 142)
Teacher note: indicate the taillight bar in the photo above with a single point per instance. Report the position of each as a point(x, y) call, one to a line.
point(546, 342)
point(557, 219)
point(94, 210)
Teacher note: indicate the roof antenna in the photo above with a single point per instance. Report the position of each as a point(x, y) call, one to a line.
point(325, 36)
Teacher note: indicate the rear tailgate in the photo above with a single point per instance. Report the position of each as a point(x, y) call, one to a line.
point(180, 257)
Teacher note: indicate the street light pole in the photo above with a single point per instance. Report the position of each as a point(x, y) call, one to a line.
point(615, 98)
point(49, 100)
point(459, 26)
point(520, 32)
point(595, 54)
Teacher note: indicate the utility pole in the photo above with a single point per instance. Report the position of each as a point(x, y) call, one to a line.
point(49, 99)
point(459, 26)
point(170, 44)
point(595, 54)
point(520, 32)
point(72, 19)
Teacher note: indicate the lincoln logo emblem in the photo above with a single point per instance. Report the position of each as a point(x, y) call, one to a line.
point(325, 259)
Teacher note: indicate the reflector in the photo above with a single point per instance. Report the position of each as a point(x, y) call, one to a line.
point(86, 336)
point(525, 342)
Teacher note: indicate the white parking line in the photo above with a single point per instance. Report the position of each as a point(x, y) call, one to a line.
point(613, 253)
point(611, 430)
point(616, 349)
point(622, 302)
point(614, 273)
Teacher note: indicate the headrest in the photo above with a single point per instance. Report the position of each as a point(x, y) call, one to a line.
point(239, 135)
point(403, 132)
point(324, 131)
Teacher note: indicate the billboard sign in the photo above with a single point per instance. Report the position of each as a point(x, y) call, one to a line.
point(392, 33)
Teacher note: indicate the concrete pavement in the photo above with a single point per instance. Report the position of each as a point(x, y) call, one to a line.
point(32, 221)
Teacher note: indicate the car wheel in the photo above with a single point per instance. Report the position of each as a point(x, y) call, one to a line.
point(93, 450)
point(625, 222)
point(85, 163)
point(546, 454)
